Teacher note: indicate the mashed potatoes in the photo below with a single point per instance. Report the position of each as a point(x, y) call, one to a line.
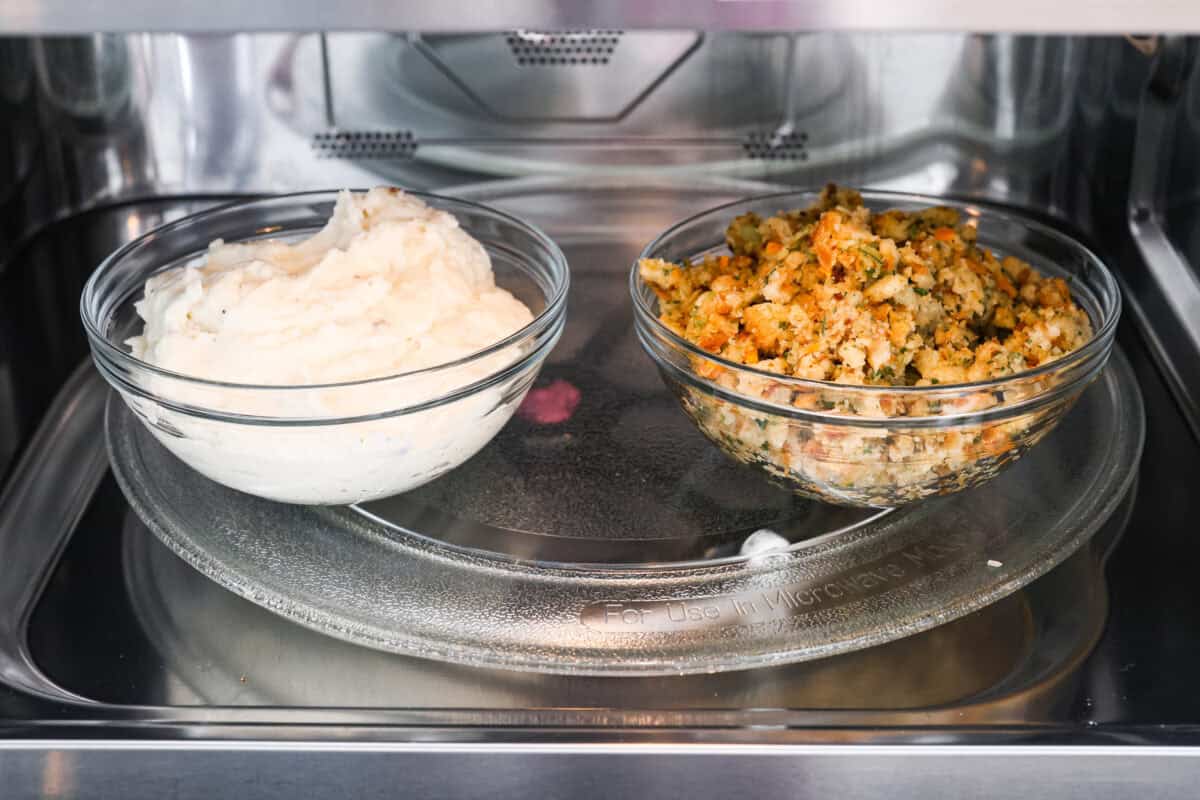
point(388, 286)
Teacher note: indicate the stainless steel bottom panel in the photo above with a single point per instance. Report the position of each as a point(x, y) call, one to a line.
point(579, 773)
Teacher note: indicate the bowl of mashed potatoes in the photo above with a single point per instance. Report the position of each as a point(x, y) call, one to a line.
point(328, 347)
point(873, 349)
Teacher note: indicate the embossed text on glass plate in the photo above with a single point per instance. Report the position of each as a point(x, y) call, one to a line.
point(795, 599)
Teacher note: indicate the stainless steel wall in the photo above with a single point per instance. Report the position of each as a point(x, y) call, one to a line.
point(111, 117)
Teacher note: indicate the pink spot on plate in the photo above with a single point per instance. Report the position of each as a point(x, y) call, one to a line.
point(550, 404)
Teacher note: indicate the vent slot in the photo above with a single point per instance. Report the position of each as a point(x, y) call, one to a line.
point(583, 48)
point(365, 145)
point(776, 145)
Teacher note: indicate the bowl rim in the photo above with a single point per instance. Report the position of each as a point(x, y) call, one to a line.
point(555, 303)
point(1099, 344)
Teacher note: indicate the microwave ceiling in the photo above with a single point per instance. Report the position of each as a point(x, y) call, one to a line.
point(1014, 16)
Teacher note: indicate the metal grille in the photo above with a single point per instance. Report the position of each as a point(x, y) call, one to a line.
point(776, 145)
point(563, 48)
point(365, 144)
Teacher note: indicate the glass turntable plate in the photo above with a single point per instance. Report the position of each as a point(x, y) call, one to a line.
point(603, 536)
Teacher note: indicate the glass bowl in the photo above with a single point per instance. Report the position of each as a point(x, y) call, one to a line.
point(333, 443)
point(878, 445)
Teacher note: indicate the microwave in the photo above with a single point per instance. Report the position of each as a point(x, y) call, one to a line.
point(597, 599)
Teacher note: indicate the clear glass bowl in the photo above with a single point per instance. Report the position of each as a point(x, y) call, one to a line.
point(336, 443)
point(878, 445)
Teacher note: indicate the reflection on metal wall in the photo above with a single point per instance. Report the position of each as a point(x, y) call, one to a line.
point(1183, 200)
point(969, 114)
point(124, 116)
point(17, 139)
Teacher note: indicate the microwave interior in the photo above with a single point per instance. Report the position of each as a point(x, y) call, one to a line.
point(578, 605)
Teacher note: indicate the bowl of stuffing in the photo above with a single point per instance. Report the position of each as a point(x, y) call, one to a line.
point(873, 348)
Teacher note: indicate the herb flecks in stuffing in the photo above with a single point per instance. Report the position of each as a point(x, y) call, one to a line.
point(838, 293)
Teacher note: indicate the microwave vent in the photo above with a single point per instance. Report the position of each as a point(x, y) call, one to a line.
point(562, 48)
point(359, 145)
